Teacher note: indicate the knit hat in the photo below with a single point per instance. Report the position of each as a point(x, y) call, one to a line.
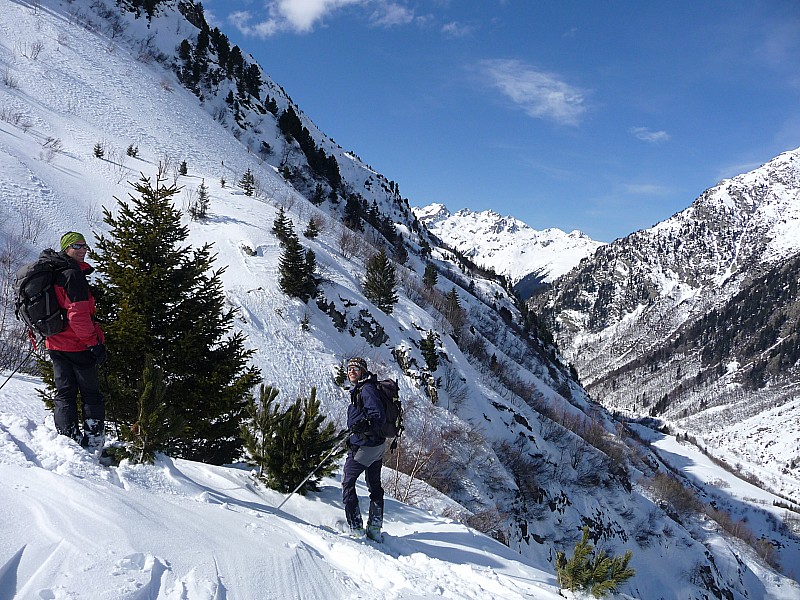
point(359, 363)
point(71, 237)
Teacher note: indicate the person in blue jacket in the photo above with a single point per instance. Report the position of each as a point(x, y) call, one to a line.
point(365, 418)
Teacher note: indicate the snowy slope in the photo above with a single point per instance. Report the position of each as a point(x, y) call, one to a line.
point(91, 83)
point(183, 530)
point(506, 244)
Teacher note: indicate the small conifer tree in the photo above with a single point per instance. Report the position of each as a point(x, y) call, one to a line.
point(597, 573)
point(183, 169)
point(156, 422)
point(199, 210)
point(296, 267)
point(312, 229)
point(133, 151)
point(289, 444)
point(380, 282)
point(282, 226)
point(428, 348)
point(430, 277)
point(262, 416)
point(248, 183)
point(99, 151)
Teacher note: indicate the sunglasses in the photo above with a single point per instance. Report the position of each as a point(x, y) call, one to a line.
point(353, 370)
point(79, 246)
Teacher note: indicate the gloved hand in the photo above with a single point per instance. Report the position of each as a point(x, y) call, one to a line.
point(99, 353)
point(362, 426)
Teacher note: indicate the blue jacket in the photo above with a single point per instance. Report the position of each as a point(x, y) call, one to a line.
point(366, 404)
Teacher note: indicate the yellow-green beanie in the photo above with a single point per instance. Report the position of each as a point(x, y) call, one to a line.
point(71, 237)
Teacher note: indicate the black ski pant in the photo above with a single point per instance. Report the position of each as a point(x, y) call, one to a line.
point(352, 471)
point(75, 372)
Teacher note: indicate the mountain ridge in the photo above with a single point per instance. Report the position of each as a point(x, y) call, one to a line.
point(507, 245)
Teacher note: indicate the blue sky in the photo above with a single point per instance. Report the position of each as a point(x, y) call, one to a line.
point(601, 116)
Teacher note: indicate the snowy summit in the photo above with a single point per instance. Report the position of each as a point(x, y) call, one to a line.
point(506, 244)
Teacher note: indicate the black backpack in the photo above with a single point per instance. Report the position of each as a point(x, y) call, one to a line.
point(389, 394)
point(36, 304)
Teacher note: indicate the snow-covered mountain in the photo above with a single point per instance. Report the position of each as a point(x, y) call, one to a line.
point(696, 319)
point(500, 425)
point(507, 245)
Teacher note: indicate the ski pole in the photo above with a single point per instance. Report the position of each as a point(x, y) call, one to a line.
point(322, 462)
point(17, 368)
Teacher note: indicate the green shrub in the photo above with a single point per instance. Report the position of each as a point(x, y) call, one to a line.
point(598, 573)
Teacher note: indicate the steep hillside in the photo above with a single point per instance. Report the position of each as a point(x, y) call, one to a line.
point(496, 421)
point(696, 314)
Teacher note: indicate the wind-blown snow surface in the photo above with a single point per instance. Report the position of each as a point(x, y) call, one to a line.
point(506, 244)
point(181, 530)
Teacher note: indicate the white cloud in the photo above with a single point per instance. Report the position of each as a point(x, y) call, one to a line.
point(299, 16)
point(542, 95)
point(647, 135)
point(454, 29)
point(391, 14)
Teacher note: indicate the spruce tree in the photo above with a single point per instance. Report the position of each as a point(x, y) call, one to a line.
point(428, 348)
point(155, 422)
point(380, 282)
point(352, 213)
point(282, 226)
point(199, 210)
point(162, 298)
point(312, 229)
point(296, 267)
point(430, 277)
point(183, 169)
point(248, 183)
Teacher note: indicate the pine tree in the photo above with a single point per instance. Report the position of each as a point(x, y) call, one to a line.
point(452, 309)
point(183, 169)
point(289, 444)
point(380, 282)
point(352, 213)
point(257, 431)
point(99, 151)
point(430, 277)
point(597, 573)
point(199, 210)
point(428, 348)
point(296, 267)
point(312, 229)
point(155, 422)
point(282, 226)
point(248, 183)
point(160, 297)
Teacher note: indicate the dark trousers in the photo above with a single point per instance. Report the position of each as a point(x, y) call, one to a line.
point(75, 372)
point(352, 471)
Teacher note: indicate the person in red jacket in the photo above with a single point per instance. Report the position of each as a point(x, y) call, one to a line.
point(77, 351)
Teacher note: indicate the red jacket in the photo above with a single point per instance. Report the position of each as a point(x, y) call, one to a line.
point(74, 296)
